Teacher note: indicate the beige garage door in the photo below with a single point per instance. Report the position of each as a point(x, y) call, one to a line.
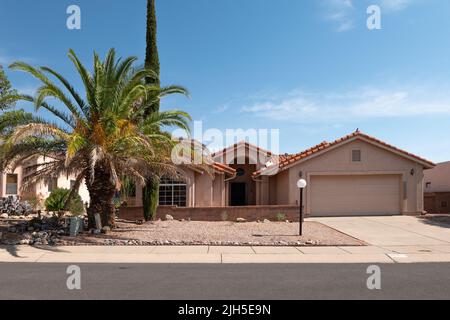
point(355, 195)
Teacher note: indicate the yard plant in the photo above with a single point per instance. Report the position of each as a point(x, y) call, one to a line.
point(109, 130)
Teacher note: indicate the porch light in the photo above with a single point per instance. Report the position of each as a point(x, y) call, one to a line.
point(301, 184)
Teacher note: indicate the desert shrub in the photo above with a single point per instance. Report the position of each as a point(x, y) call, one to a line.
point(57, 199)
point(281, 216)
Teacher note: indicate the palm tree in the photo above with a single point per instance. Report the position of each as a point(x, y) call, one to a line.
point(106, 135)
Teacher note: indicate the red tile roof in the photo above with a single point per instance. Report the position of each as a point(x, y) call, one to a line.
point(220, 167)
point(286, 161)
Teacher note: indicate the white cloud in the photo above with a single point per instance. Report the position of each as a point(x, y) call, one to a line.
point(222, 108)
point(343, 13)
point(395, 5)
point(340, 13)
point(364, 103)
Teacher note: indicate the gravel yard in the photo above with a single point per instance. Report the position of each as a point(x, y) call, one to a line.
point(219, 233)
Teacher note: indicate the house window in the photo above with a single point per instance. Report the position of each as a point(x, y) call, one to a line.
point(356, 155)
point(172, 193)
point(52, 184)
point(240, 172)
point(12, 184)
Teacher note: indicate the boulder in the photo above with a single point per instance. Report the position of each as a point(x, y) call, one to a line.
point(4, 216)
point(169, 217)
point(106, 229)
point(241, 220)
point(266, 221)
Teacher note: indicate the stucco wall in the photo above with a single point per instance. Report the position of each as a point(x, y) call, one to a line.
point(40, 189)
point(438, 178)
point(375, 160)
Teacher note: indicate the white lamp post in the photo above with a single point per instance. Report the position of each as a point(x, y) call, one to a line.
point(301, 184)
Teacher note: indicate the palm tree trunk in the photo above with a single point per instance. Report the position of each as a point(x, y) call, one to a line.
point(101, 193)
point(150, 193)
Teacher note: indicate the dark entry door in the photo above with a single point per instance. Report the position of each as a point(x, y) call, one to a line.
point(238, 194)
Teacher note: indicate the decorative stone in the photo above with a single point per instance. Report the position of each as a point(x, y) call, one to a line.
point(4, 216)
point(106, 229)
point(169, 217)
point(266, 221)
point(241, 220)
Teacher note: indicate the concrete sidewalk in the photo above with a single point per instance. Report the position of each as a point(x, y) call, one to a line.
point(232, 255)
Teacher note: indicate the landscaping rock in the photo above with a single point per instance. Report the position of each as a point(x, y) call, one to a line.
point(106, 229)
point(241, 220)
point(169, 217)
point(266, 221)
point(4, 216)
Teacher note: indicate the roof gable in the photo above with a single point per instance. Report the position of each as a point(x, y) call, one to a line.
point(323, 147)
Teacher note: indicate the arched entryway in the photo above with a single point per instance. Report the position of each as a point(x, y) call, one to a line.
point(242, 189)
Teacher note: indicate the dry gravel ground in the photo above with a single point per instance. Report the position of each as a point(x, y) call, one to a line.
point(220, 233)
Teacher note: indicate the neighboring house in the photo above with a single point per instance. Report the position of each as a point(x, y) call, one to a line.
point(11, 183)
point(437, 189)
point(354, 175)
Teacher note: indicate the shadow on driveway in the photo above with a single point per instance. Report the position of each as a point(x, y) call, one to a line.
point(442, 221)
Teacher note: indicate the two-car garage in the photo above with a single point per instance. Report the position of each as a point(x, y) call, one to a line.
point(338, 195)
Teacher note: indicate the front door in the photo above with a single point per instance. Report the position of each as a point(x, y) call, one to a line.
point(238, 194)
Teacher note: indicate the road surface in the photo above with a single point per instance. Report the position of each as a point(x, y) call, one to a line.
point(243, 281)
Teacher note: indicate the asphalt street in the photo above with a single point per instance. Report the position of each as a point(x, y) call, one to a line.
point(226, 281)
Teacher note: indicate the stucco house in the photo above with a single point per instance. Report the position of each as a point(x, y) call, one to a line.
point(354, 175)
point(11, 182)
point(437, 188)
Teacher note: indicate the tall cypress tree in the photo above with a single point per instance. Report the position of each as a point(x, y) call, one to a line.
point(150, 193)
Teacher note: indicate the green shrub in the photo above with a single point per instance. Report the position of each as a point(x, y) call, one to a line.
point(281, 216)
point(57, 199)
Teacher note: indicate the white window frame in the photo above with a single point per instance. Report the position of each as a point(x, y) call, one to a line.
point(172, 184)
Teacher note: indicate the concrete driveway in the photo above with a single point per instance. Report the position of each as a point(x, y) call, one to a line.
point(400, 234)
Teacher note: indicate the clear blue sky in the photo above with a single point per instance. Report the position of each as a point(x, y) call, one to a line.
point(310, 68)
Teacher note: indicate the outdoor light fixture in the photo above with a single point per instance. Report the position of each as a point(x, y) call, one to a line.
point(413, 171)
point(301, 184)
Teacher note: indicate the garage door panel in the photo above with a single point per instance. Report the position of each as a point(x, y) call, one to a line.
point(355, 195)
